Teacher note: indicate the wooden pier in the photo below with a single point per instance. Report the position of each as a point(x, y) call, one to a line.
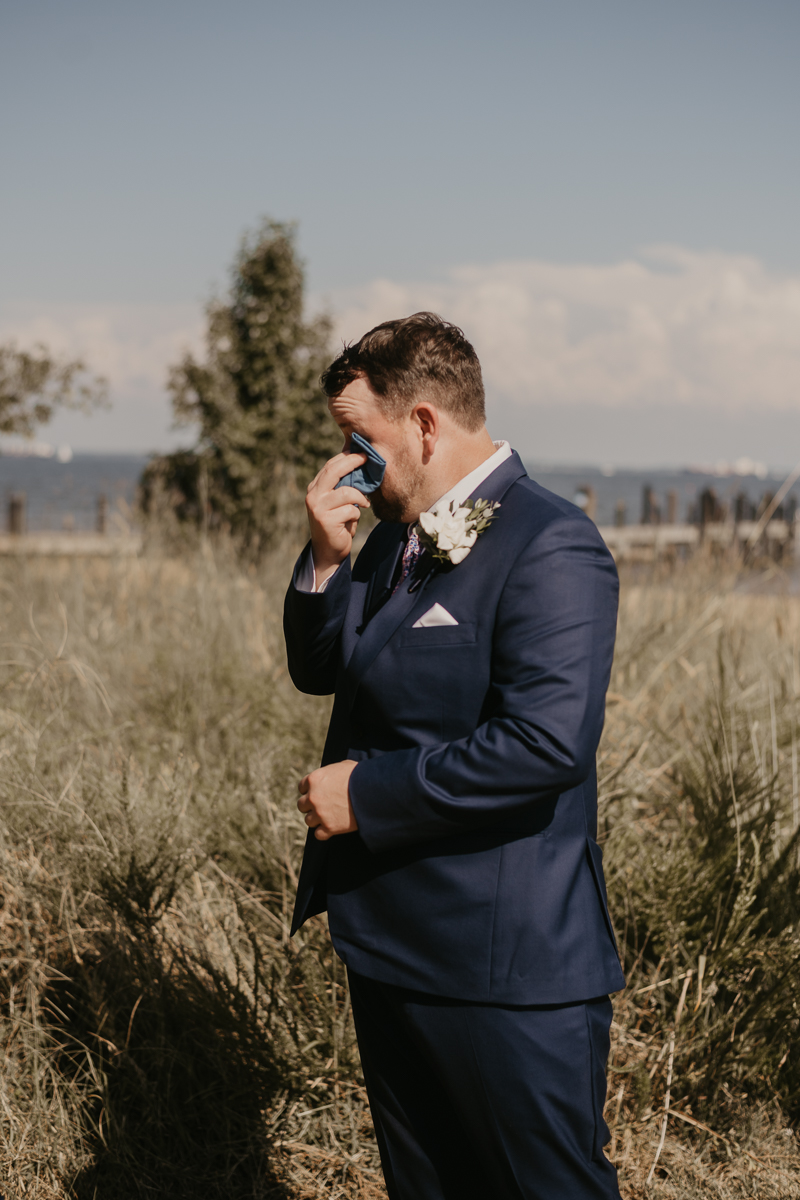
point(647, 543)
point(710, 527)
point(19, 543)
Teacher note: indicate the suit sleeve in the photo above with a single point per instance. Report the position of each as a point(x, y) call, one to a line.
point(552, 649)
point(312, 623)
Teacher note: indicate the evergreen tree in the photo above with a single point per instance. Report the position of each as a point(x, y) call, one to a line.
point(264, 428)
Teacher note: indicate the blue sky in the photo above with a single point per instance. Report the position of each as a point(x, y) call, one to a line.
point(410, 143)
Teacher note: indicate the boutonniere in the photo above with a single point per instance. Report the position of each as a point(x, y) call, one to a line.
point(450, 533)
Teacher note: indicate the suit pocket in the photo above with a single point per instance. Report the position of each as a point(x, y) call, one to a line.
point(463, 634)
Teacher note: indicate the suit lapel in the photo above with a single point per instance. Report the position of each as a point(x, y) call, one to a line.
point(398, 607)
point(380, 584)
point(375, 589)
point(377, 633)
point(495, 486)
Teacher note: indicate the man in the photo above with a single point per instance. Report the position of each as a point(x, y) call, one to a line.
point(452, 824)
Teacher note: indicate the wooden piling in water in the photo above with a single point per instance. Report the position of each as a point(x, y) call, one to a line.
point(102, 513)
point(16, 513)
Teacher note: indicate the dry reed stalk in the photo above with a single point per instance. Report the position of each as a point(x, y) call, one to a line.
point(151, 742)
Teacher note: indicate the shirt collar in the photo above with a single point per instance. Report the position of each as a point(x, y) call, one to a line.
point(466, 486)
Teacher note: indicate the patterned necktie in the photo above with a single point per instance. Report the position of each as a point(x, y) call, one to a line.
point(411, 556)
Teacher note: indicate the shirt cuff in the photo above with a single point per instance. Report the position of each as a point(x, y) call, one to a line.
point(306, 577)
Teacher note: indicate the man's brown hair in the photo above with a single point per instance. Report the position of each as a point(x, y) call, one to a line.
point(410, 359)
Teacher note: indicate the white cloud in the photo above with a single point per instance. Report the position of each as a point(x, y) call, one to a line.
point(674, 328)
point(131, 344)
point(628, 361)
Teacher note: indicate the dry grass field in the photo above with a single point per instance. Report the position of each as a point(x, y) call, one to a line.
point(162, 1037)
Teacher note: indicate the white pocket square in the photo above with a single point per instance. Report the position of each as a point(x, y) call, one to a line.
point(438, 615)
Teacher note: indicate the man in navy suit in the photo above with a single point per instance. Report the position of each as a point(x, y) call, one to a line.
point(452, 823)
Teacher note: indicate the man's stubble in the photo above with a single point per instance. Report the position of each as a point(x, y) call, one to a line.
point(396, 498)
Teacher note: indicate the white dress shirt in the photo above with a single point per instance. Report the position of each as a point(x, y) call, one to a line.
point(306, 575)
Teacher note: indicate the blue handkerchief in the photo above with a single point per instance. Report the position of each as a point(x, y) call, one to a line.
point(369, 477)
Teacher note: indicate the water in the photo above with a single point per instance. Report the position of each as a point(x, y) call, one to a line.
point(64, 495)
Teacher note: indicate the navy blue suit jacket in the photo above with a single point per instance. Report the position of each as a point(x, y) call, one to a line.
point(475, 872)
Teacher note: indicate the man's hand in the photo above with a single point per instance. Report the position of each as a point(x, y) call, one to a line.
point(325, 800)
point(333, 514)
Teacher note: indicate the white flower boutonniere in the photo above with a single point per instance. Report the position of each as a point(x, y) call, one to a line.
point(449, 534)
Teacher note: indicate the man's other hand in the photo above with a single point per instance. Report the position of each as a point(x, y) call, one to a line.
point(333, 513)
point(325, 800)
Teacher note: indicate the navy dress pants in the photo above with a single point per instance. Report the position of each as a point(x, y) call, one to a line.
point(484, 1102)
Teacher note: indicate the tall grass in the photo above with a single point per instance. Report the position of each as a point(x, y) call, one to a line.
point(701, 825)
point(162, 1037)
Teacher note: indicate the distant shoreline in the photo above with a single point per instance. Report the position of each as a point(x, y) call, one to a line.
point(65, 495)
point(742, 468)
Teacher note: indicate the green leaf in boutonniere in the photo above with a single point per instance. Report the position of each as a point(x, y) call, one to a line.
point(448, 534)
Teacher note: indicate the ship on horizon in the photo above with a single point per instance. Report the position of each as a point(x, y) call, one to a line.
point(30, 448)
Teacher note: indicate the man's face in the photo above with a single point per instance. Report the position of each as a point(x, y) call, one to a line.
point(356, 410)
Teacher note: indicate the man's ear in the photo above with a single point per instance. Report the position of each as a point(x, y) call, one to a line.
point(428, 424)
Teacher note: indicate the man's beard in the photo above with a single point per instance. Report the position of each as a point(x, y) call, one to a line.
point(395, 499)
